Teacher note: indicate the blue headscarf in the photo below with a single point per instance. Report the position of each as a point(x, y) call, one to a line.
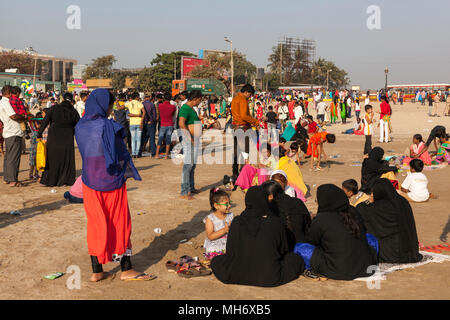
point(107, 163)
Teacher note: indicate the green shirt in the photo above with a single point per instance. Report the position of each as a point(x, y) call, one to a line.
point(189, 114)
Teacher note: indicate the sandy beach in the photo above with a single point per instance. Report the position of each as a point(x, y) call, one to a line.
point(50, 235)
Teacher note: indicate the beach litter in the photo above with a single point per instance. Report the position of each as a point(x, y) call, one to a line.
point(53, 191)
point(54, 276)
point(183, 241)
point(15, 213)
point(157, 230)
point(336, 156)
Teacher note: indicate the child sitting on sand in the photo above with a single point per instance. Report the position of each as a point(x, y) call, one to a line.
point(415, 186)
point(217, 223)
point(418, 150)
point(355, 197)
point(443, 153)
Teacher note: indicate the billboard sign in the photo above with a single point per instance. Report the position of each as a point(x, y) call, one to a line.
point(189, 63)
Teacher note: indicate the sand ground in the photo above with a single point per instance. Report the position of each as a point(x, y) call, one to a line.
point(51, 234)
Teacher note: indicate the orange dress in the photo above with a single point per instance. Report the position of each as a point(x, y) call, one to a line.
point(314, 142)
point(108, 223)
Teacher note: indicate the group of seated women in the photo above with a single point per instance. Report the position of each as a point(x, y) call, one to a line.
point(274, 241)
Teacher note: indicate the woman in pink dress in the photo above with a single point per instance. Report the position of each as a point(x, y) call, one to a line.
point(418, 151)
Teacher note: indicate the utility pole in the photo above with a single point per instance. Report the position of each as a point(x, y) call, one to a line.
point(175, 68)
point(328, 71)
point(281, 63)
point(232, 66)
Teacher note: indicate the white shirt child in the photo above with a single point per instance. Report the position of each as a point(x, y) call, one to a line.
point(417, 184)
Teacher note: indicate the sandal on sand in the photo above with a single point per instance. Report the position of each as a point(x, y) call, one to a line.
point(172, 266)
point(310, 275)
point(441, 247)
point(141, 277)
point(17, 185)
point(188, 270)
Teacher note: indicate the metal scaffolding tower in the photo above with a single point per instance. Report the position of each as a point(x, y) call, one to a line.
point(294, 50)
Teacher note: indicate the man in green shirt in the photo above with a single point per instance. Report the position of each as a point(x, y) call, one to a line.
point(192, 129)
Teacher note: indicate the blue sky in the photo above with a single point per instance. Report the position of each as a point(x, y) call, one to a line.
point(413, 40)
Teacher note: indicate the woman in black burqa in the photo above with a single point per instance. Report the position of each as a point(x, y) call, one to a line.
point(390, 219)
point(337, 246)
point(294, 215)
point(60, 161)
point(372, 169)
point(257, 251)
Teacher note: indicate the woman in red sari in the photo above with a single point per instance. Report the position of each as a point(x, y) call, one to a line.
point(107, 165)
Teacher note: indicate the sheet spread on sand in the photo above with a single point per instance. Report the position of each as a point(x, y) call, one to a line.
point(386, 268)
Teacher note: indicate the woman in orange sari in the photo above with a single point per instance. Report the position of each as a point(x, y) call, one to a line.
point(107, 165)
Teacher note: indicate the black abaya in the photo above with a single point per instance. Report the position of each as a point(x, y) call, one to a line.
point(372, 169)
point(60, 161)
point(257, 250)
point(390, 219)
point(339, 254)
point(295, 217)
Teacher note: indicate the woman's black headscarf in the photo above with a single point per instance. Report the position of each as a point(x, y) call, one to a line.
point(331, 198)
point(372, 169)
point(384, 192)
point(256, 206)
point(376, 154)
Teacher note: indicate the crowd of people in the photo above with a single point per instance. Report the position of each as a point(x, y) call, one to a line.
point(275, 239)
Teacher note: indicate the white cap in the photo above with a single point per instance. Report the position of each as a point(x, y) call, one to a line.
point(279, 172)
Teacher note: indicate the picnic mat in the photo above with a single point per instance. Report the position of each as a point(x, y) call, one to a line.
point(386, 268)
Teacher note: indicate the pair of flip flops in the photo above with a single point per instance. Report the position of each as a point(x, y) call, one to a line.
point(187, 267)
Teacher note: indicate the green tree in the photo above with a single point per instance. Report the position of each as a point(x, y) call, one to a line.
point(220, 68)
point(143, 80)
point(118, 80)
point(100, 68)
point(294, 64)
point(161, 73)
point(22, 61)
point(337, 78)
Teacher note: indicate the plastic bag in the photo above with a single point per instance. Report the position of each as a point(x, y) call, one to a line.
point(41, 155)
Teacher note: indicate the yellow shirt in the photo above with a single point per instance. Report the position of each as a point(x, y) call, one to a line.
point(134, 107)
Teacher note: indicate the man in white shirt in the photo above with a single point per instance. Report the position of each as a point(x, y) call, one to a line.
point(79, 106)
point(283, 112)
point(321, 107)
point(13, 139)
point(298, 112)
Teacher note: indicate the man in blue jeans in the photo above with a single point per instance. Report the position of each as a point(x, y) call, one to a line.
point(190, 127)
point(150, 123)
point(135, 109)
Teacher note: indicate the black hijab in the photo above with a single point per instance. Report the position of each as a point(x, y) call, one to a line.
point(256, 206)
point(387, 199)
point(372, 169)
point(376, 154)
point(331, 198)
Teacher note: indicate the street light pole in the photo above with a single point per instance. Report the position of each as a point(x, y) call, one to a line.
point(328, 71)
point(232, 66)
point(386, 71)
